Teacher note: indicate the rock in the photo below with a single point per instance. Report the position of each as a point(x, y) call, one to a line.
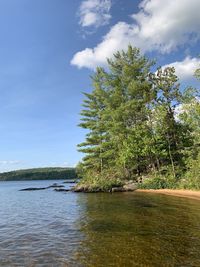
point(56, 185)
point(70, 182)
point(130, 187)
point(80, 188)
point(85, 189)
point(33, 188)
point(61, 190)
point(118, 189)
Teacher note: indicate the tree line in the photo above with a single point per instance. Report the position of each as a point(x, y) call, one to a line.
point(39, 174)
point(141, 124)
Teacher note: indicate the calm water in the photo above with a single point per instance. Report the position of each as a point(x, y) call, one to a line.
point(47, 228)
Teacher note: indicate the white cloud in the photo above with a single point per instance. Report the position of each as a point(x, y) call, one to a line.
point(166, 24)
point(159, 25)
point(185, 69)
point(94, 13)
point(118, 38)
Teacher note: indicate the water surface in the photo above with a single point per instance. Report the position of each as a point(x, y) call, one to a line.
point(47, 228)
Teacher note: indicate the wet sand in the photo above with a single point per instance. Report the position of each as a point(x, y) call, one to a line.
point(173, 192)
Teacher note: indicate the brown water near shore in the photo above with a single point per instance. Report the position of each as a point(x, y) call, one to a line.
point(178, 193)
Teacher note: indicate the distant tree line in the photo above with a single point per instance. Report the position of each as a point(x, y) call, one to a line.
point(39, 174)
point(141, 124)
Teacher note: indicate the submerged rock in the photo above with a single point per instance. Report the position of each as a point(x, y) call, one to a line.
point(33, 188)
point(55, 185)
point(70, 182)
point(61, 190)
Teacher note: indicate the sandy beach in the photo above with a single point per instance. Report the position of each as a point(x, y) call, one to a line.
point(178, 193)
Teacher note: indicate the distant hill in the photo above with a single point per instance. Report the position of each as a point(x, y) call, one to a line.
point(39, 174)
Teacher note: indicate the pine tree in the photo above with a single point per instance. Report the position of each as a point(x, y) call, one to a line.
point(122, 112)
point(92, 121)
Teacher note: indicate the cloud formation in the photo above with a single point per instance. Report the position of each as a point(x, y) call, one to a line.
point(159, 25)
point(94, 13)
point(185, 69)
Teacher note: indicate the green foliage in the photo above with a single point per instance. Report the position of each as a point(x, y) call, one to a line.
point(192, 176)
point(159, 182)
point(132, 125)
point(100, 182)
point(39, 174)
point(80, 170)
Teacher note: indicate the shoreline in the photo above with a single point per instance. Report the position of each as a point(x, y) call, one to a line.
point(173, 192)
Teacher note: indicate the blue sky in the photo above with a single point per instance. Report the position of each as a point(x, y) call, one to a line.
point(48, 50)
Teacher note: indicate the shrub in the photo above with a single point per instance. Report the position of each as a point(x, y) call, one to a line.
point(158, 182)
point(100, 182)
point(192, 177)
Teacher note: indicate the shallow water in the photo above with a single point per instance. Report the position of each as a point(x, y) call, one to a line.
point(47, 228)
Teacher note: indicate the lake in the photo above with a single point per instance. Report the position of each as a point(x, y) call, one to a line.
point(48, 228)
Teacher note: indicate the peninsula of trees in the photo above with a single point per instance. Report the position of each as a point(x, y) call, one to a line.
point(142, 125)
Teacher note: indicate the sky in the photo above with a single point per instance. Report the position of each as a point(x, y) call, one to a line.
point(50, 48)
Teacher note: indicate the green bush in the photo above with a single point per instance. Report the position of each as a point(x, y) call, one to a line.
point(191, 179)
point(100, 182)
point(158, 182)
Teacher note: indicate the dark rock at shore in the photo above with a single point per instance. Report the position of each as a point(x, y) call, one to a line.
point(118, 189)
point(42, 188)
point(33, 188)
point(55, 186)
point(61, 190)
point(127, 187)
point(85, 189)
point(79, 189)
point(130, 187)
point(70, 182)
